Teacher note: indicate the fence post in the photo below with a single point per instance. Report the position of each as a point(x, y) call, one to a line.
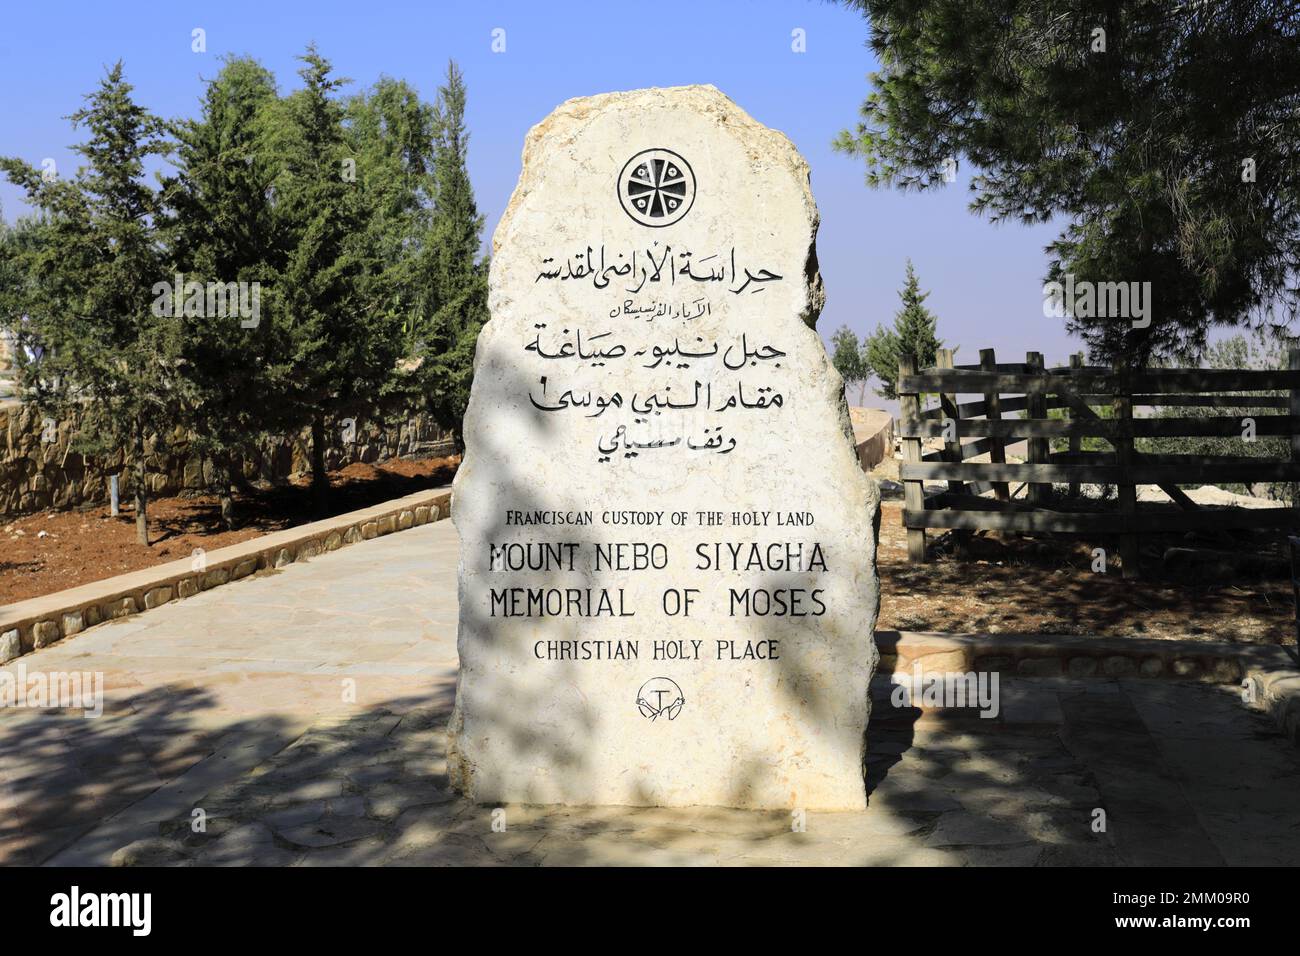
point(1128, 542)
point(993, 412)
point(1293, 363)
point(1076, 443)
point(948, 403)
point(1036, 407)
point(913, 490)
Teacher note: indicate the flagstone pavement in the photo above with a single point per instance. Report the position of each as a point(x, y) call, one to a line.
point(297, 718)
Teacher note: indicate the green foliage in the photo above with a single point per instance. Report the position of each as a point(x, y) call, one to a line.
point(915, 331)
point(336, 310)
point(88, 284)
point(1140, 146)
point(1087, 442)
point(392, 133)
point(1236, 352)
point(455, 308)
point(221, 228)
point(18, 248)
point(848, 360)
point(353, 216)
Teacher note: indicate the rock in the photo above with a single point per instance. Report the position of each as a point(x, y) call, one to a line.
point(149, 852)
point(120, 608)
point(1117, 666)
point(1152, 667)
point(1082, 666)
point(192, 476)
point(1039, 667)
point(73, 623)
point(994, 663)
point(215, 578)
point(651, 353)
point(46, 633)
point(1224, 671)
point(156, 597)
point(10, 645)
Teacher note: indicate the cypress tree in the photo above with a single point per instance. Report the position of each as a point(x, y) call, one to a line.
point(456, 276)
point(914, 331)
point(221, 230)
point(335, 309)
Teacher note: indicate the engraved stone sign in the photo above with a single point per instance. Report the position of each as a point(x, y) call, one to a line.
point(667, 583)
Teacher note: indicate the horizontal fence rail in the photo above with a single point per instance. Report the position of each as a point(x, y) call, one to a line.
point(997, 420)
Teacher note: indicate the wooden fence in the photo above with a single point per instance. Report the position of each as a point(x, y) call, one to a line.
point(976, 428)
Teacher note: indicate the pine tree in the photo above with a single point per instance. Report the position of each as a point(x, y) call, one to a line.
point(106, 353)
point(915, 331)
point(1163, 137)
point(221, 229)
point(457, 277)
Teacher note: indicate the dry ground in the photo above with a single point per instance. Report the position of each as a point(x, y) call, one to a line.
point(1021, 585)
point(1006, 585)
point(54, 550)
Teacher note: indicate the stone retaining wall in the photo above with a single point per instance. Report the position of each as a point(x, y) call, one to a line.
point(1052, 655)
point(41, 621)
point(1268, 675)
point(39, 469)
point(873, 435)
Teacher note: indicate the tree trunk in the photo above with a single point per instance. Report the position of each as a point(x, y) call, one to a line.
point(225, 484)
point(141, 495)
point(320, 485)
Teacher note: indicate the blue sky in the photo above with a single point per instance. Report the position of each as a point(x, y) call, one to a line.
point(986, 280)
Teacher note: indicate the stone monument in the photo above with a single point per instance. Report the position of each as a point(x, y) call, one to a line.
point(667, 584)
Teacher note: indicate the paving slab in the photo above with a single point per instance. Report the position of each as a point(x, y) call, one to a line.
point(298, 719)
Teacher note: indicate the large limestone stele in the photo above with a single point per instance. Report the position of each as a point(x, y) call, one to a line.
point(654, 290)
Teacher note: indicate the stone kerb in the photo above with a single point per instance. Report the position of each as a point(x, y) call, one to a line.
point(42, 621)
point(1073, 656)
point(1267, 674)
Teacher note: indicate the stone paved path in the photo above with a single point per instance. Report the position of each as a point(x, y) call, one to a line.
point(301, 714)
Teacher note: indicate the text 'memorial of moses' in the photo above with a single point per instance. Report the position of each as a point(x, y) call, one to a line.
point(667, 584)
